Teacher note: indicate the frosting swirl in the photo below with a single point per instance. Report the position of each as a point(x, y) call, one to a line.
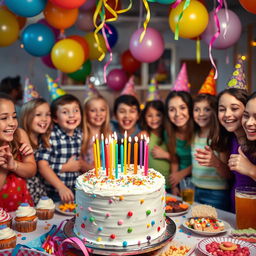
point(45, 203)
point(4, 216)
point(25, 210)
point(6, 232)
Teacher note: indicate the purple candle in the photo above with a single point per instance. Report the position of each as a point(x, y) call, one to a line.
point(141, 150)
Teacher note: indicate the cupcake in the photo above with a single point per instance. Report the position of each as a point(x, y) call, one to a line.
point(5, 218)
point(7, 237)
point(45, 208)
point(25, 220)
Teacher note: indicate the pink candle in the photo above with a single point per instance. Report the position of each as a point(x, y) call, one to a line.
point(141, 151)
point(146, 157)
point(107, 156)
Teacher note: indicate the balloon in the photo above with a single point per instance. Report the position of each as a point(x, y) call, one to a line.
point(112, 4)
point(26, 8)
point(233, 30)
point(59, 17)
point(21, 20)
point(48, 61)
point(38, 39)
point(94, 52)
point(67, 55)
point(68, 4)
point(85, 21)
point(249, 5)
point(82, 72)
point(9, 28)
point(111, 34)
point(116, 79)
point(150, 49)
point(162, 1)
point(55, 31)
point(83, 43)
point(193, 22)
point(129, 63)
point(88, 5)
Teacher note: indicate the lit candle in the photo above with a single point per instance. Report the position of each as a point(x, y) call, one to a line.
point(107, 156)
point(116, 151)
point(129, 152)
point(141, 150)
point(136, 155)
point(98, 151)
point(95, 157)
point(103, 151)
point(110, 157)
point(146, 157)
point(122, 155)
point(125, 152)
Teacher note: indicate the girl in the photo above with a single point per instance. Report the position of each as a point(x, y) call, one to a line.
point(96, 122)
point(179, 108)
point(153, 125)
point(36, 121)
point(16, 158)
point(210, 179)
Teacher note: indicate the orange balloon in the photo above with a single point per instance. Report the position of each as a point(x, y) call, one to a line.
point(59, 17)
point(249, 5)
point(83, 43)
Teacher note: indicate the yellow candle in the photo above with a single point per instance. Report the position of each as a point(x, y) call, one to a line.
point(136, 155)
point(125, 152)
point(95, 158)
point(129, 152)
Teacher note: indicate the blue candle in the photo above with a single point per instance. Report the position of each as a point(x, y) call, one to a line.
point(103, 152)
point(116, 160)
point(122, 156)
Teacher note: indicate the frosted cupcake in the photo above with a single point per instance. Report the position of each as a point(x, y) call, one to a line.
point(45, 208)
point(25, 220)
point(5, 218)
point(7, 237)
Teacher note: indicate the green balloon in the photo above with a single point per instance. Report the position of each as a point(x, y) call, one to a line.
point(82, 72)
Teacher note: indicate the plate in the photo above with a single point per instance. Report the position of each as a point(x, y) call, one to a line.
point(155, 244)
point(202, 244)
point(205, 233)
point(173, 214)
point(63, 212)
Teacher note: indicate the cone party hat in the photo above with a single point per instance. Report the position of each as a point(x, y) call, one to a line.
point(90, 90)
point(129, 88)
point(153, 92)
point(209, 85)
point(181, 83)
point(54, 89)
point(30, 92)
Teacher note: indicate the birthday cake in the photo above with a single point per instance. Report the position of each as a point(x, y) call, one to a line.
point(124, 210)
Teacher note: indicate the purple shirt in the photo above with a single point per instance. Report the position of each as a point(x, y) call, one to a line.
point(240, 179)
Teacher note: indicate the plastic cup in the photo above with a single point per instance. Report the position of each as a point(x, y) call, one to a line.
point(187, 189)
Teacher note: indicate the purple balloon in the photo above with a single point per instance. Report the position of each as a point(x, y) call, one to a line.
point(85, 21)
point(116, 79)
point(233, 30)
point(88, 5)
point(48, 61)
point(55, 31)
point(150, 49)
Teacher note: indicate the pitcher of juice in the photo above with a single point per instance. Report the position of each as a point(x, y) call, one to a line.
point(245, 198)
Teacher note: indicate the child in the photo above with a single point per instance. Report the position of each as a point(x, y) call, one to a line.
point(153, 125)
point(36, 121)
point(59, 163)
point(96, 122)
point(179, 108)
point(209, 178)
point(16, 158)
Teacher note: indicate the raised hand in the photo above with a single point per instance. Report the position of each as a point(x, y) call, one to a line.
point(26, 149)
point(206, 157)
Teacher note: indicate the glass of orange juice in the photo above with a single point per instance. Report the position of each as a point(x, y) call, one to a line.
point(245, 198)
point(187, 189)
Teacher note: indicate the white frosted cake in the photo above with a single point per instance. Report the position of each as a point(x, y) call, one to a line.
point(120, 212)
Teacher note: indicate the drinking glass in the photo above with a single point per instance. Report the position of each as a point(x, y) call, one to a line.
point(245, 198)
point(187, 189)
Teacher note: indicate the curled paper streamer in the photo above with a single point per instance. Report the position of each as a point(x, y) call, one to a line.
point(198, 51)
point(145, 24)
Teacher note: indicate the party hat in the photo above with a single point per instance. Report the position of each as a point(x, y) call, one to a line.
point(30, 92)
point(237, 79)
point(129, 88)
point(54, 89)
point(90, 90)
point(209, 85)
point(181, 83)
point(153, 93)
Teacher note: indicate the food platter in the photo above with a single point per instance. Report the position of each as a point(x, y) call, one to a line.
point(68, 213)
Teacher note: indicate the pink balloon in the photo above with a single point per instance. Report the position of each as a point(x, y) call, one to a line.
point(233, 30)
point(55, 31)
point(116, 79)
point(85, 21)
point(150, 49)
point(48, 61)
point(88, 5)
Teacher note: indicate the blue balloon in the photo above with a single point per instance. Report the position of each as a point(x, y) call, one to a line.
point(26, 8)
point(38, 39)
point(113, 36)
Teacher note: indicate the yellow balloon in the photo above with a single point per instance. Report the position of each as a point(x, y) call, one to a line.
point(94, 52)
point(193, 22)
point(9, 28)
point(67, 55)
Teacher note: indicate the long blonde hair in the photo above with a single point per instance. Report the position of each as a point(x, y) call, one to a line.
point(26, 118)
point(87, 133)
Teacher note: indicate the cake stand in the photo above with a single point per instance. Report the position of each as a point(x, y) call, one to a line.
point(129, 250)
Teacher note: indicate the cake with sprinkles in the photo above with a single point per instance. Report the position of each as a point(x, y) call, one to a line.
point(120, 211)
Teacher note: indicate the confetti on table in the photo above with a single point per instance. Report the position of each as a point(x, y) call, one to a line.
point(23, 238)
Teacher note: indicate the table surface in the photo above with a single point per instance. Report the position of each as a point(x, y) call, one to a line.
point(183, 236)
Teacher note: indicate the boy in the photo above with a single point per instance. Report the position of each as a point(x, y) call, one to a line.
point(58, 164)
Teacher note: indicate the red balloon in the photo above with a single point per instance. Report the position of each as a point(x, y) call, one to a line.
point(68, 4)
point(129, 63)
point(112, 4)
point(249, 5)
point(83, 43)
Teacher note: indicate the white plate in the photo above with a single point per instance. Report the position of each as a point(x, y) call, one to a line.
point(173, 214)
point(205, 233)
point(62, 212)
point(202, 244)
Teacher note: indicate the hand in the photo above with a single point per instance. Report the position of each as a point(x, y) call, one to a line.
point(26, 149)
point(66, 195)
point(7, 160)
point(176, 191)
point(3, 160)
point(175, 178)
point(158, 152)
point(72, 165)
point(206, 157)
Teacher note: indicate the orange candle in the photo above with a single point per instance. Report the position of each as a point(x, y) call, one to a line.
point(95, 158)
point(129, 152)
point(136, 155)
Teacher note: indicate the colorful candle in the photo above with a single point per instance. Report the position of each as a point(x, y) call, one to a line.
point(116, 151)
point(146, 157)
point(110, 157)
point(95, 157)
point(107, 156)
point(125, 152)
point(122, 155)
point(103, 152)
point(98, 151)
point(129, 152)
point(136, 155)
point(141, 151)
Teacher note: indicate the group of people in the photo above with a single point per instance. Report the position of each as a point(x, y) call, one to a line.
point(210, 138)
